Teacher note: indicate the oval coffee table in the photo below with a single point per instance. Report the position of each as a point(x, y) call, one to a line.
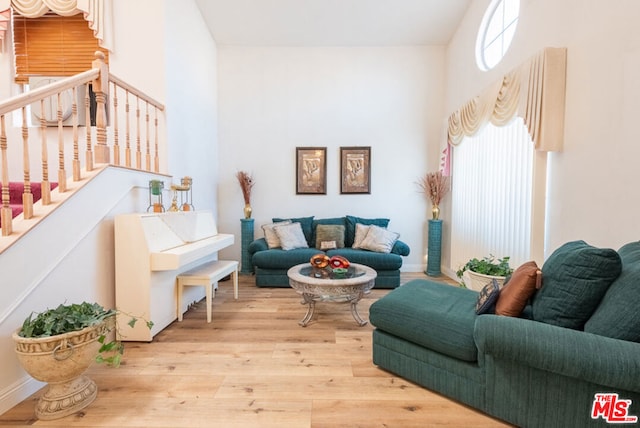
point(322, 285)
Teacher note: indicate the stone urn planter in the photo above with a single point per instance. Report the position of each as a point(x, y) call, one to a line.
point(477, 273)
point(60, 361)
point(477, 280)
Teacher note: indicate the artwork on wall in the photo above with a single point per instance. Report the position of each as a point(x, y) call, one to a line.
point(355, 170)
point(311, 170)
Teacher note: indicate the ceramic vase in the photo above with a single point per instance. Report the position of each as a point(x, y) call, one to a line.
point(435, 212)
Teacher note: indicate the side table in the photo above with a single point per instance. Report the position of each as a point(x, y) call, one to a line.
point(433, 252)
point(245, 241)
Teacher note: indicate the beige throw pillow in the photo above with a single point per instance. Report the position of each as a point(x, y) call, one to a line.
point(270, 235)
point(379, 239)
point(361, 233)
point(291, 236)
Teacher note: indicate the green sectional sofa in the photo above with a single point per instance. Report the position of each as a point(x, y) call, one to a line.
point(576, 337)
point(271, 264)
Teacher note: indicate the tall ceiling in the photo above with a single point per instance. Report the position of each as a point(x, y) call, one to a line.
point(332, 22)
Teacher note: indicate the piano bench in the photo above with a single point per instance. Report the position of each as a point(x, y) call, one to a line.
point(205, 275)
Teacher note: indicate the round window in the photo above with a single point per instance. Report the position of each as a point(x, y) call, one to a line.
point(496, 32)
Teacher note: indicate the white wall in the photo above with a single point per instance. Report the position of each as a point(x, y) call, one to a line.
point(192, 115)
point(593, 180)
point(272, 100)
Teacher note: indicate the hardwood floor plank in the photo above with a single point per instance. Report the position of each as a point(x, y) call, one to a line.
point(254, 366)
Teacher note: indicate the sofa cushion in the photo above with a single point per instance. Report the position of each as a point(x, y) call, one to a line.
point(379, 239)
point(519, 288)
point(575, 277)
point(488, 297)
point(617, 316)
point(291, 236)
point(361, 233)
point(329, 233)
point(376, 261)
point(305, 222)
point(350, 231)
point(340, 221)
point(281, 259)
point(437, 316)
point(270, 235)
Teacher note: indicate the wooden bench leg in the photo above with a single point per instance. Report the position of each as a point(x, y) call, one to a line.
point(179, 300)
point(234, 276)
point(208, 293)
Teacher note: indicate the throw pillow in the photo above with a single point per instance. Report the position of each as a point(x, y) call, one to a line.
point(488, 297)
point(291, 236)
point(351, 222)
point(515, 295)
point(327, 233)
point(575, 277)
point(617, 315)
point(379, 239)
point(361, 233)
point(270, 235)
point(305, 222)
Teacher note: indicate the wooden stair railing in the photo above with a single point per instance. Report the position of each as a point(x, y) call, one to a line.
point(107, 89)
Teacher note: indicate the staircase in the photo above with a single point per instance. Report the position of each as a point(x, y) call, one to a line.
point(94, 144)
point(16, 190)
point(62, 248)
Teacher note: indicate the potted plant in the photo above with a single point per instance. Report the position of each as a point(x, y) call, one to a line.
point(57, 346)
point(482, 271)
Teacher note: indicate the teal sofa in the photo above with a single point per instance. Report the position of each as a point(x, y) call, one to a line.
point(577, 336)
point(270, 265)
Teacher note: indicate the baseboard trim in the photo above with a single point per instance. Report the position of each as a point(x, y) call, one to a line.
point(18, 392)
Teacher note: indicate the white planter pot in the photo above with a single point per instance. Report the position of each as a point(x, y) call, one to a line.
point(476, 281)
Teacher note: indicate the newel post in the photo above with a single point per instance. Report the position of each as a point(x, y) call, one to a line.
point(101, 89)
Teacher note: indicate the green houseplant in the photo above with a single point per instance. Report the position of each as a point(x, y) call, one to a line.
point(58, 345)
point(482, 271)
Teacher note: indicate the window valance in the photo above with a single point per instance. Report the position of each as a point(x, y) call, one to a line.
point(96, 12)
point(535, 91)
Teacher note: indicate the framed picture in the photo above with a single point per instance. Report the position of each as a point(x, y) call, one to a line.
point(311, 170)
point(355, 170)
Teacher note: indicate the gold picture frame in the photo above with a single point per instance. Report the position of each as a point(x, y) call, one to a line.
point(311, 170)
point(355, 170)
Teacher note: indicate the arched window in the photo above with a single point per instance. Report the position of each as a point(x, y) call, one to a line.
point(496, 32)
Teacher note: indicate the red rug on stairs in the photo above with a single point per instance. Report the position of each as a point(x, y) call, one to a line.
point(16, 189)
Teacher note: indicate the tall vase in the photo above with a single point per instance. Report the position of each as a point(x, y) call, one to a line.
point(247, 211)
point(435, 212)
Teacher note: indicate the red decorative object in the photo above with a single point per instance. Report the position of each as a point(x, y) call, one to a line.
point(339, 262)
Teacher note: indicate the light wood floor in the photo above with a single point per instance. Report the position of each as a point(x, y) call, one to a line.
point(254, 366)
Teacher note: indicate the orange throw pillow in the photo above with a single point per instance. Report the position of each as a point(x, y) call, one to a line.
point(518, 290)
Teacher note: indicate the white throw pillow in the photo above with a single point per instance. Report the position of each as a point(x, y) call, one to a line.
point(361, 233)
point(291, 236)
point(270, 235)
point(379, 240)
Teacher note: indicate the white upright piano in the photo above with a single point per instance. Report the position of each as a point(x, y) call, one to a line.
point(150, 251)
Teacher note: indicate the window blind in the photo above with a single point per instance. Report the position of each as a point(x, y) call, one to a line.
point(53, 45)
point(493, 198)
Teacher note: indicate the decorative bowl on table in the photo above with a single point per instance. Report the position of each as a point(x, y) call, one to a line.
point(340, 272)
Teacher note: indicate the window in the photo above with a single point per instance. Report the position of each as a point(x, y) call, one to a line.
point(493, 201)
point(496, 32)
point(53, 45)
